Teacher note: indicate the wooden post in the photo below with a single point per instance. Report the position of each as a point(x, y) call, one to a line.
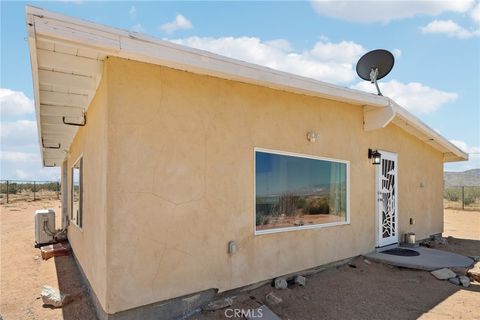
point(7, 191)
point(34, 190)
point(463, 198)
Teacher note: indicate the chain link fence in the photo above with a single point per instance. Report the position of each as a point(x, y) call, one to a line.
point(22, 190)
point(462, 198)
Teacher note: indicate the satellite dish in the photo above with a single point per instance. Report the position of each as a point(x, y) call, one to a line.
point(375, 65)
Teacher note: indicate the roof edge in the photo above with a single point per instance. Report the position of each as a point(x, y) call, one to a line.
point(412, 120)
point(136, 46)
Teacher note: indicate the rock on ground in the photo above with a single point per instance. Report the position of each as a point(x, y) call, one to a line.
point(461, 271)
point(53, 297)
point(455, 281)
point(464, 280)
point(442, 241)
point(219, 304)
point(272, 299)
point(281, 283)
point(474, 272)
point(443, 274)
point(301, 281)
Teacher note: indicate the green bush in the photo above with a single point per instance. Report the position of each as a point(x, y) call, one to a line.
point(318, 206)
point(469, 199)
point(452, 194)
point(470, 195)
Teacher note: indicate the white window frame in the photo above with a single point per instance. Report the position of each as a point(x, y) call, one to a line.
point(72, 217)
point(306, 156)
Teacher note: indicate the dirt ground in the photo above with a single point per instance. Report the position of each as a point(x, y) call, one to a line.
point(23, 272)
point(366, 291)
point(377, 291)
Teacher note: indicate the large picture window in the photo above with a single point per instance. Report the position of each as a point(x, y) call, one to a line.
point(77, 193)
point(298, 191)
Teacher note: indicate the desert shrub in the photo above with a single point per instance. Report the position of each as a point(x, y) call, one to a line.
point(13, 188)
point(300, 202)
point(469, 199)
point(286, 204)
point(452, 194)
point(318, 206)
point(259, 219)
point(472, 194)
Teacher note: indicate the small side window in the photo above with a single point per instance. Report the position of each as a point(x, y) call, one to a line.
point(77, 193)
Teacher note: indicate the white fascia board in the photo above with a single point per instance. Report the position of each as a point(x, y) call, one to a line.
point(411, 120)
point(34, 65)
point(142, 48)
point(139, 47)
point(132, 45)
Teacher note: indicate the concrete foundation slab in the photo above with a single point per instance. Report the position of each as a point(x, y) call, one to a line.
point(429, 259)
point(263, 313)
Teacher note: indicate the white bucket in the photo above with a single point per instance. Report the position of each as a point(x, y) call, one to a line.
point(410, 238)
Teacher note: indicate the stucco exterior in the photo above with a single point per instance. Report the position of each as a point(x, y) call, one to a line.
point(169, 180)
point(90, 242)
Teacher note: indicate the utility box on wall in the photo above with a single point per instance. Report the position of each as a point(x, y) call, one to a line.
point(44, 226)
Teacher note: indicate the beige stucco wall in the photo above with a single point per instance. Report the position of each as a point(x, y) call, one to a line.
point(180, 183)
point(168, 181)
point(89, 243)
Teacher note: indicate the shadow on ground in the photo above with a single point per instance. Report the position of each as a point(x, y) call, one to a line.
point(467, 247)
point(370, 291)
point(361, 290)
point(70, 281)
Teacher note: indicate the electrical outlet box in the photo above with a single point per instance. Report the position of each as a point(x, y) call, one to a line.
point(232, 247)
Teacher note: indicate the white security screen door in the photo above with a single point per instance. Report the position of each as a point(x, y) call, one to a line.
point(387, 213)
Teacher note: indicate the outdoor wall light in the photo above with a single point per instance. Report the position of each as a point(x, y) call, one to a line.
point(375, 156)
point(312, 136)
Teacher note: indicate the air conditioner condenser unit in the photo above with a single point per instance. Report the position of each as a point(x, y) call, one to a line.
point(44, 227)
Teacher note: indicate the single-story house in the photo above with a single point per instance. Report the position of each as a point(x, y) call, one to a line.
point(185, 171)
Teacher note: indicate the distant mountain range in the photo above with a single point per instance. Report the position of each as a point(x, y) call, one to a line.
point(466, 178)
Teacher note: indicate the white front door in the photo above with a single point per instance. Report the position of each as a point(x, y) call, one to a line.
point(387, 209)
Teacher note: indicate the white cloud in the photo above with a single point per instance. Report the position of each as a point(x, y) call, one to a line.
point(138, 28)
point(326, 61)
point(20, 156)
point(466, 148)
point(20, 174)
point(397, 53)
point(14, 103)
point(386, 11)
point(342, 52)
point(475, 14)
point(18, 133)
point(180, 23)
point(473, 157)
point(132, 12)
point(449, 28)
point(25, 165)
point(280, 44)
point(12, 156)
point(413, 96)
point(453, 29)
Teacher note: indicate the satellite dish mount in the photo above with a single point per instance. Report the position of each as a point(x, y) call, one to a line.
point(375, 65)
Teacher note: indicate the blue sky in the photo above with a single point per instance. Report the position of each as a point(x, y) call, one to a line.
point(281, 174)
point(436, 45)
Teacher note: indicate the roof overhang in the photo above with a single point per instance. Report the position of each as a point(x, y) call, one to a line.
point(67, 57)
